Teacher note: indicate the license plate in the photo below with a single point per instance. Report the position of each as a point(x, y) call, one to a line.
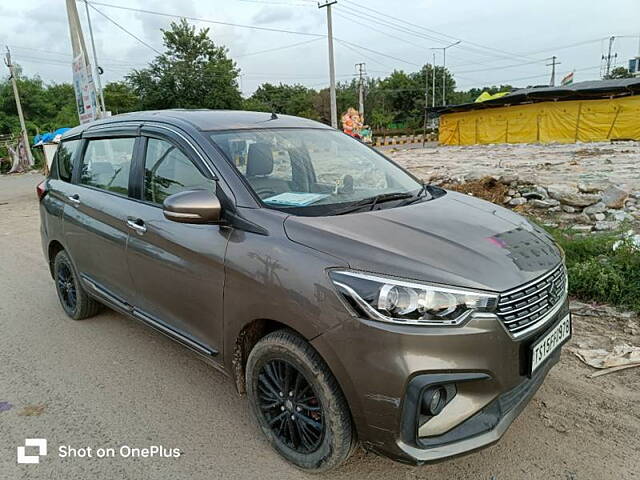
point(546, 345)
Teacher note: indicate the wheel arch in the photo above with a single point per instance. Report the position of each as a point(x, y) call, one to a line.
point(52, 250)
point(246, 339)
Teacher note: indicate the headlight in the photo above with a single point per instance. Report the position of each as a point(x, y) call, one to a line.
point(397, 301)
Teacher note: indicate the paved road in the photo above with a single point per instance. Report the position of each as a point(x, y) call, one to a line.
point(109, 381)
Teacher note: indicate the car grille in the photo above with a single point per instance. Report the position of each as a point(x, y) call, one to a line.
point(524, 306)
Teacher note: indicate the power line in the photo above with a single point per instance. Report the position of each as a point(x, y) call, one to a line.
point(275, 2)
point(205, 20)
point(365, 56)
point(278, 48)
point(361, 16)
point(377, 52)
point(451, 37)
point(112, 61)
point(352, 18)
point(570, 45)
point(544, 75)
point(125, 30)
point(505, 66)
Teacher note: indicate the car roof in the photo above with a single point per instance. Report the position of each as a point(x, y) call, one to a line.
point(206, 120)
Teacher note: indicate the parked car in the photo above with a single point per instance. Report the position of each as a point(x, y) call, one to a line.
point(348, 300)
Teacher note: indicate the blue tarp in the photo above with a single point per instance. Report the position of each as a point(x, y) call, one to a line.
point(49, 136)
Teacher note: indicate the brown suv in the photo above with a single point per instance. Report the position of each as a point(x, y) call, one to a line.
point(348, 300)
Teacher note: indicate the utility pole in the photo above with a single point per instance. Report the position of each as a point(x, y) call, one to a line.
point(433, 76)
point(444, 69)
point(608, 58)
point(361, 74)
point(553, 64)
point(95, 61)
point(426, 102)
point(332, 68)
point(25, 137)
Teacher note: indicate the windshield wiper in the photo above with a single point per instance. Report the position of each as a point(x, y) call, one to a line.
point(418, 196)
point(373, 201)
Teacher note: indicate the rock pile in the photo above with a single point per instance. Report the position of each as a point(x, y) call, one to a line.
point(584, 207)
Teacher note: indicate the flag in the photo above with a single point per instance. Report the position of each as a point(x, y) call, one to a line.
point(568, 80)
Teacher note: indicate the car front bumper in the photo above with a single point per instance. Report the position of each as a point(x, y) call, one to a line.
point(379, 365)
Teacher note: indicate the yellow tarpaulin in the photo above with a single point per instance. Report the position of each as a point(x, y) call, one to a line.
point(565, 122)
point(484, 96)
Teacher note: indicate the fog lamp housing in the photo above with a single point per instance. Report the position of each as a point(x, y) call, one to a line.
point(433, 400)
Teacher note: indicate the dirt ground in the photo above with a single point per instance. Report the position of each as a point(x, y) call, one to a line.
point(593, 163)
point(111, 381)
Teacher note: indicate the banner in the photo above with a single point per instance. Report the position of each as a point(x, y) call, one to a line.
point(85, 91)
point(83, 85)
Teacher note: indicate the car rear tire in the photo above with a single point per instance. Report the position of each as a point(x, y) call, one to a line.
point(298, 404)
point(74, 299)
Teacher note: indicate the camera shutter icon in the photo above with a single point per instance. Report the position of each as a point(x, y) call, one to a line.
point(41, 443)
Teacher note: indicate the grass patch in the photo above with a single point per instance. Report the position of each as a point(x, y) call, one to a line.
point(597, 272)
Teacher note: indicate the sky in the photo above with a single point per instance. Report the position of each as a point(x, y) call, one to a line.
point(501, 41)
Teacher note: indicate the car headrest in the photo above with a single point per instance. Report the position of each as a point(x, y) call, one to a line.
point(259, 160)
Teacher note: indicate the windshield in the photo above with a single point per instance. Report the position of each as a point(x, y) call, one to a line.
point(313, 171)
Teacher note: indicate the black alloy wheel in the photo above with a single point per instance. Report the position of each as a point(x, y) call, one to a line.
point(66, 287)
point(290, 406)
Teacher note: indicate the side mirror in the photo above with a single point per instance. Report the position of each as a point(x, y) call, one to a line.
point(193, 206)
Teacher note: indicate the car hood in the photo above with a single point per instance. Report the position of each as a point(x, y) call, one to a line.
point(454, 239)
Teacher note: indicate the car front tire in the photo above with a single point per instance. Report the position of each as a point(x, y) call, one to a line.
point(298, 403)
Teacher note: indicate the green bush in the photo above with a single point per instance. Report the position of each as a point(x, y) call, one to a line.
point(597, 272)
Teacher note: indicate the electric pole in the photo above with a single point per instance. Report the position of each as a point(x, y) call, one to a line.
point(433, 76)
point(607, 59)
point(25, 137)
point(444, 69)
point(95, 61)
point(553, 64)
point(332, 68)
point(361, 75)
point(426, 102)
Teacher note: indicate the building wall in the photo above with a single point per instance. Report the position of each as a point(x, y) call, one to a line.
point(544, 122)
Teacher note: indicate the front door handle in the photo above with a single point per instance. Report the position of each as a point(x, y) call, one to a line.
point(137, 225)
point(74, 199)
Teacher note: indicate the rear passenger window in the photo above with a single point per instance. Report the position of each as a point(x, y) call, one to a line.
point(64, 159)
point(167, 171)
point(107, 163)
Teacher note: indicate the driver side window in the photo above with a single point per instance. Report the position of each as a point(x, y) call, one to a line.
point(167, 170)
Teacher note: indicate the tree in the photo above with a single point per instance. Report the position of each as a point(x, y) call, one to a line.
point(619, 72)
point(119, 97)
point(288, 99)
point(192, 73)
point(45, 107)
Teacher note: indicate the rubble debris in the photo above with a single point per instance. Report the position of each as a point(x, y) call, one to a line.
point(614, 197)
point(622, 356)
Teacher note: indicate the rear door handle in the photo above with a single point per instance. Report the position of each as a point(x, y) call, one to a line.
point(137, 225)
point(74, 199)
